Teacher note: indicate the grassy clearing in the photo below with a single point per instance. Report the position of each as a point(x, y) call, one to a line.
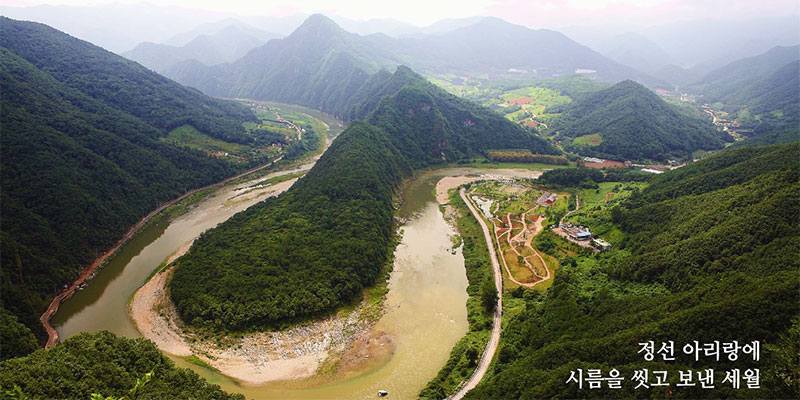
point(518, 269)
point(588, 140)
point(188, 136)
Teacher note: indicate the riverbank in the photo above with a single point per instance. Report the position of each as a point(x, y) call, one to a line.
point(263, 357)
point(339, 344)
point(89, 272)
point(469, 356)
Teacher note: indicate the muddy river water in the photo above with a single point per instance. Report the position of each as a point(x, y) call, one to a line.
point(425, 306)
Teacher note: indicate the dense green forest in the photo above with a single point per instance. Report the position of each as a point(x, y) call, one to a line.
point(716, 85)
point(634, 123)
point(584, 177)
point(103, 364)
point(709, 253)
point(768, 104)
point(320, 65)
point(317, 245)
point(774, 137)
point(81, 156)
point(761, 92)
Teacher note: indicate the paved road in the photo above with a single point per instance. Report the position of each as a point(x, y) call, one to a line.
point(494, 340)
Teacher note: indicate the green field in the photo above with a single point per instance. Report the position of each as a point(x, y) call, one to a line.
point(588, 140)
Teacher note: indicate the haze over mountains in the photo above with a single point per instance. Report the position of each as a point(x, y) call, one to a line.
point(659, 51)
point(226, 45)
point(322, 49)
point(707, 251)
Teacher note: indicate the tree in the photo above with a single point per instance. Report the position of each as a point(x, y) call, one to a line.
point(488, 295)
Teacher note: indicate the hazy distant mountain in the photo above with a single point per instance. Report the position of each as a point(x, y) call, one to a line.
point(213, 28)
point(320, 62)
point(115, 27)
point(701, 45)
point(318, 65)
point(493, 45)
point(716, 43)
point(387, 26)
point(768, 104)
point(635, 123)
point(637, 51)
point(444, 25)
point(280, 25)
point(721, 82)
point(227, 45)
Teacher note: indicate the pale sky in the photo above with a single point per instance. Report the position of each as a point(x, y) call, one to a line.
point(532, 13)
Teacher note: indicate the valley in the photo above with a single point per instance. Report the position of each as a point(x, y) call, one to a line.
point(477, 209)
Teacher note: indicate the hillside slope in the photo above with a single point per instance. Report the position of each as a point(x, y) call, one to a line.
point(227, 45)
point(722, 82)
point(771, 103)
point(316, 246)
point(634, 123)
point(493, 46)
point(320, 65)
point(104, 364)
point(81, 155)
point(710, 254)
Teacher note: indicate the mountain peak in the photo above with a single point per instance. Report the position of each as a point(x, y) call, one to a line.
point(319, 23)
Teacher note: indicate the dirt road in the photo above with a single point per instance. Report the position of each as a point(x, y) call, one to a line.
point(494, 339)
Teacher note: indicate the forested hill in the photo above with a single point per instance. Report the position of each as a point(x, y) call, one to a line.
point(317, 245)
point(104, 364)
point(227, 45)
point(771, 103)
point(319, 65)
point(710, 253)
point(633, 123)
point(721, 82)
point(492, 45)
point(81, 155)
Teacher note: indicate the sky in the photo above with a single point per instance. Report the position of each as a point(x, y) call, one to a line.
point(532, 13)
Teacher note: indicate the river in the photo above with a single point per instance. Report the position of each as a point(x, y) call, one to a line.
point(425, 306)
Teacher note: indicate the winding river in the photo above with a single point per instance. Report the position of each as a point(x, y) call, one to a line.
point(425, 306)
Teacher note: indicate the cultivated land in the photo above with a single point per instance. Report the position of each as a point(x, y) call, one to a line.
point(517, 216)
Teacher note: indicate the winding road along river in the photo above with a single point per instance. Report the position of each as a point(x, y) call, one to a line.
point(426, 302)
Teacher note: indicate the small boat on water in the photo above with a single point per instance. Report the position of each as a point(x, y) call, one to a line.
point(383, 393)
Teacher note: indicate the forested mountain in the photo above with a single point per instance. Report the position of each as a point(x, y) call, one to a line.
point(634, 123)
point(116, 27)
point(104, 364)
point(710, 253)
point(637, 51)
point(213, 28)
point(227, 45)
point(493, 45)
point(320, 65)
point(722, 82)
point(317, 245)
point(774, 137)
point(81, 155)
